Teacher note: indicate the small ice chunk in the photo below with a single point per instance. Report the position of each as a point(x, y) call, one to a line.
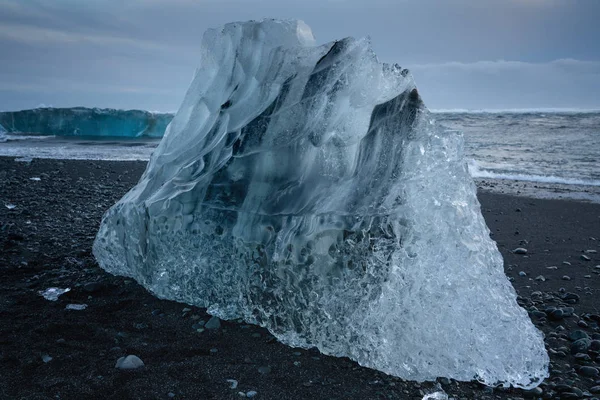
point(24, 159)
point(129, 362)
point(35, 178)
point(77, 307)
point(53, 293)
point(10, 206)
point(436, 396)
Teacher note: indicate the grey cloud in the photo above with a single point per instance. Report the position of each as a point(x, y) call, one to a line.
point(72, 50)
point(565, 83)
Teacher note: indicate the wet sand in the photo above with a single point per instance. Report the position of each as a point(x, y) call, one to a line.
point(46, 239)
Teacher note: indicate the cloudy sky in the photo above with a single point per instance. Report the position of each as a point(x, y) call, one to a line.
point(464, 54)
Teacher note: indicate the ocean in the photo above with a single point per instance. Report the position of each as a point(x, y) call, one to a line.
point(552, 153)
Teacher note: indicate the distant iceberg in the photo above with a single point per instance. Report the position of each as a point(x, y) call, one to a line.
point(82, 121)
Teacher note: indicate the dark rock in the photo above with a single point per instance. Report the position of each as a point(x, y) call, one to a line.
point(556, 315)
point(588, 371)
point(92, 287)
point(581, 346)
point(562, 387)
point(533, 393)
point(16, 237)
point(571, 296)
point(520, 250)
point(264, 370)
point(582, 357)
point(578, 334)
point(568, 311)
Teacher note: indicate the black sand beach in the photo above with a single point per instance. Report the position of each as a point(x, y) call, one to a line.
point(46, 239)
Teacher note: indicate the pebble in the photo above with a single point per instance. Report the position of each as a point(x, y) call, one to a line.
point(571, 296)
point(46, 358)
point(595, 389)
point(92, 287)
point(534, 392)
point(171, 395)
point(251, 394)
point(540, 278)
point(213, 323)
point(566, 263)
point(214, 351)
point(580, 346)
point(520, 250)
point(582, 357)
point(568, 311)
point(129, 362)
point(198, 325)
point(522, 273)
point(578, 334)
point(585, 258)
point(588, 371)
point(566, 278)
point(556, 315)
point(264, 370)
point(233, 384)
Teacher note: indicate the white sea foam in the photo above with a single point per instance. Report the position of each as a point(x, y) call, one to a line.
point(514, 111)
point(478, 172)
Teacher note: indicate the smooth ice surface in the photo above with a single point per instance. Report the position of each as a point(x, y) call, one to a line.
point(306, 189)
point(53, 293)
point(81, 121)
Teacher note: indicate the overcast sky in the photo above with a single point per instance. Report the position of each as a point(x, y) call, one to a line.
point(466, 54)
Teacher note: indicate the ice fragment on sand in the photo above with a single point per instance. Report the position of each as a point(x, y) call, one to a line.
point(436, 396)
point(10, 206)
point(307, 189)
point(53, 293)
point(77, 307)
point(129, 362)
point(35, 178)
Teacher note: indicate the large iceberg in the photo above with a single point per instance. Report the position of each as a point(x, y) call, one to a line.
point(82, 121)
point(306, 189)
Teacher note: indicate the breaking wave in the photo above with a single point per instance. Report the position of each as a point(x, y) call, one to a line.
point(477, 172)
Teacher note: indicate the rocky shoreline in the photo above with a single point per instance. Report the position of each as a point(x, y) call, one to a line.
point(70, 348)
